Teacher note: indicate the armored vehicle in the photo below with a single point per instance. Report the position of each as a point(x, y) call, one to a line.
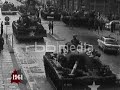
point(78, 18)
point(74, 70)
point(28, 27)
point(51, 12)
point(8, 9)
point(29, 24)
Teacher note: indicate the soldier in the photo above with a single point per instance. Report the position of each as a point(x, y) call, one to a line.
point(112, 27)
point(1, 28)
point(71, 22)
point(1, 43)
point(52, 27)
point(49, 25)
point(75, 41)
point(96, 24)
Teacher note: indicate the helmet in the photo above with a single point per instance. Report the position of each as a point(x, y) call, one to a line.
point(74, 36)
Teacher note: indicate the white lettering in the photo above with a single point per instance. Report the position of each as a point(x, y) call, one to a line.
point(83, 47)
point(17, 77)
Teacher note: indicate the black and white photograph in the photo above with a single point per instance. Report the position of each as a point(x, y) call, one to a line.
point(59, 44)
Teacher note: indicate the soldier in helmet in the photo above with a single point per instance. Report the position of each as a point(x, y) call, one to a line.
point(1, 43)
point(75, 41)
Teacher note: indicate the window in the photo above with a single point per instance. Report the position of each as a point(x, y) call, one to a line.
point(110, 41)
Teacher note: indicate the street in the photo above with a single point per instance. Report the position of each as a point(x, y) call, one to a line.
point(31, 61)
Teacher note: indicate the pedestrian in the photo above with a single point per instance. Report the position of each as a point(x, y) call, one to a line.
point(101, 25)
point(112, 27)
point(1, 28)
point(52, 27)
point(1, 43)
point(96, 24)
point(119, 29)
point(49, 25)
point(71, 22)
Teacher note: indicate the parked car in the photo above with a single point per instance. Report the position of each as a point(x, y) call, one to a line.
point(117, 24)
point(108, 43)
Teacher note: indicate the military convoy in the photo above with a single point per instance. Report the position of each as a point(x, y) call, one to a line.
point(29, 26)
point(83, 18)
point(74, 70)
point(50, 11)
point(8, 8)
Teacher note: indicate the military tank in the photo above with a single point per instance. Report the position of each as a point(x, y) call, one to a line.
point(77, 18)
point(76, 70)
point(8, 8)
point(51, 12)
point(29, 26)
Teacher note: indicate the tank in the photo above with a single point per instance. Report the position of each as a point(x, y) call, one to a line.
point(51, 11)
point(76, 70)
point(29, 26)
point(78, 18)
point(8, 9)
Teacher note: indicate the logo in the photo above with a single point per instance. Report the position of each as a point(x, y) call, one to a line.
point(83, 47)
point(17, 77)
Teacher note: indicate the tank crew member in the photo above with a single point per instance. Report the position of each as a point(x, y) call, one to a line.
point(75, 41)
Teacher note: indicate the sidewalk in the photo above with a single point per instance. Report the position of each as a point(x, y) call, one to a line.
point(32, 65)
point(6, 68)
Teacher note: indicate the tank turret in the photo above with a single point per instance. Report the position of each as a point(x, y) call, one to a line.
point(8, 8)
point(51, 11)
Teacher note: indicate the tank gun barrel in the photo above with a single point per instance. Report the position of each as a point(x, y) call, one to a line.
point(74, 68)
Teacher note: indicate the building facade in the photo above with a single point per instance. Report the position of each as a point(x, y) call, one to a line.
point(102, 6)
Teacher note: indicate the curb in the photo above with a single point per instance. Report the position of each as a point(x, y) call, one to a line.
point(57, 38)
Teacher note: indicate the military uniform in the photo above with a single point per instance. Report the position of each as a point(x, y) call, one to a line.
point(1, 43)
point(1, 28)
point(75, 42)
